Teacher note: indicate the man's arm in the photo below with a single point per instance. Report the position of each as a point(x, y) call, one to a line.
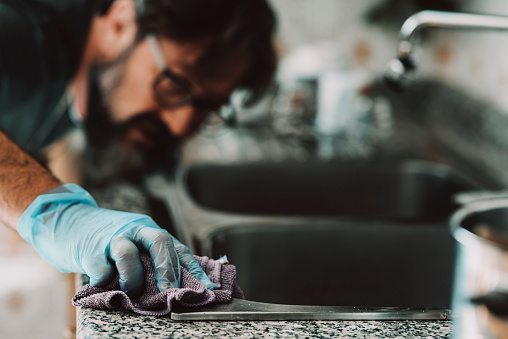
point(22, 179)
point(63, 222)
point(67, 228)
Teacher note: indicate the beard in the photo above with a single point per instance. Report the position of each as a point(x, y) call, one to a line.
point(111, 152)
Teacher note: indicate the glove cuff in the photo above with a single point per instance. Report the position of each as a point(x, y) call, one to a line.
point(66, 194)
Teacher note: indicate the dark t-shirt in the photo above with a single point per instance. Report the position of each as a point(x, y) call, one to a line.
point(41, 42)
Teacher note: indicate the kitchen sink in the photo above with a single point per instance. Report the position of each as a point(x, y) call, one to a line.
point(411, 191)
point(340, 263)
point(331, 234)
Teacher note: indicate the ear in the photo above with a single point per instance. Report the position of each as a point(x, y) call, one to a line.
point(116, 30)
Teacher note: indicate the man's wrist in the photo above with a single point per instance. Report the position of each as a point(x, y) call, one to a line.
point(66, 188)
point(31, 217)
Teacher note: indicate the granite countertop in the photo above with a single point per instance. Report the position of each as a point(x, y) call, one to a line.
point(117, 324)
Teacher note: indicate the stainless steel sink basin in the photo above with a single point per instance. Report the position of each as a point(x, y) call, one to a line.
point(340, 263)
point(410, 191)
point(345, 234)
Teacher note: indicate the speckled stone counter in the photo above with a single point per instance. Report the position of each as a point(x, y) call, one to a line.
point(117, 324)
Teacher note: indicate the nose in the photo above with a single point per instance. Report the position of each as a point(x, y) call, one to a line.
point(179, 120)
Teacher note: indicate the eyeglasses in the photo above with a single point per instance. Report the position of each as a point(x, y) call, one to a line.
point(173, 91)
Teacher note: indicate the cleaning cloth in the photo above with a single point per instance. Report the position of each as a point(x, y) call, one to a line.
point(153, 302)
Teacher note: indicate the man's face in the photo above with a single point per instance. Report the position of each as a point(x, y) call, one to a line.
point(128, 121)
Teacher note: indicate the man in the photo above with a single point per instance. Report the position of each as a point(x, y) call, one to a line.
point(141, 75)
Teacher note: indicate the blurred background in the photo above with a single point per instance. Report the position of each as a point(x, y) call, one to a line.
point(364, 34)
point(356, 38)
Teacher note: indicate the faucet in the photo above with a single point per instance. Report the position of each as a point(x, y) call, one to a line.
point(400, 69)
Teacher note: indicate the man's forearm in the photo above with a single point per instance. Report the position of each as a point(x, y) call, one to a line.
point(22, 179)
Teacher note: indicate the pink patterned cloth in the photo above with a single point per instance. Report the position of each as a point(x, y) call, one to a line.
point(153, 302)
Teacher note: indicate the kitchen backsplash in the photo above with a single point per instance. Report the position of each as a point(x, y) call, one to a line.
point(476, 62)
point(306, 22)
point(462, 75)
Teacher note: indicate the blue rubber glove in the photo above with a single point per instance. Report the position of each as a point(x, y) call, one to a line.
point(67, 229)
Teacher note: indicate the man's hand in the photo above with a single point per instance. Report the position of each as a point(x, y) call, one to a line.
point(68, 229)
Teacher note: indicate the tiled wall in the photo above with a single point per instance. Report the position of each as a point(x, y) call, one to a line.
point(311, 22)
point(469, 106)
point(476, 62)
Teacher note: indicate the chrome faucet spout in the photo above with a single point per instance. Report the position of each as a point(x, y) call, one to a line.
point(400, 69)
point(447, 20)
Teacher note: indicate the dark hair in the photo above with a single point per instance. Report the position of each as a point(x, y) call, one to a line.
point(102, 6)
point(231, 26)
